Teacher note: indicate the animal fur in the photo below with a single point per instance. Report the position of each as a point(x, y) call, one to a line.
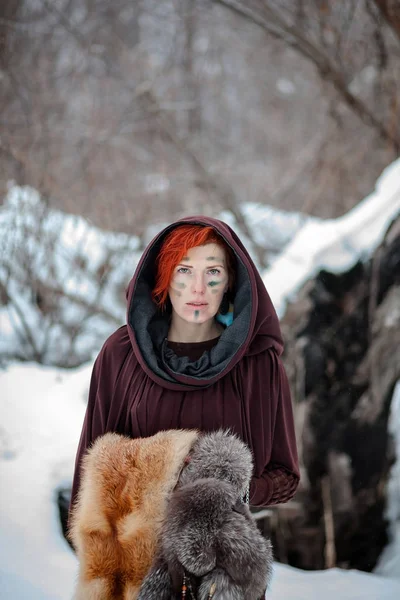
point(116, 522)
point(208, 533)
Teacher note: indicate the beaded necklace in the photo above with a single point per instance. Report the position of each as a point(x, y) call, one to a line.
point(187, 587)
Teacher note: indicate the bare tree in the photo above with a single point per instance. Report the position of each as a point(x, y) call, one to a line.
point(284, 24)
point(233, 115)
point(52, 293)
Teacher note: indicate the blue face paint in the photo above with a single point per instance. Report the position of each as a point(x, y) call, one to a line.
point(196, 314)
point(214, 283)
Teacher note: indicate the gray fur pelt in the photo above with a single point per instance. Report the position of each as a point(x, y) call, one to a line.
point(208, 533)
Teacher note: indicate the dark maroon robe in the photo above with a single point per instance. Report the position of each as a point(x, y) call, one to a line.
point(140, 386)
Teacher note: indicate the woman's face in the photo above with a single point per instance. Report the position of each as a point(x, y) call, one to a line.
point(198, 283)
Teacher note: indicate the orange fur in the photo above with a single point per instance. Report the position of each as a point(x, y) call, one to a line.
point(120, 508)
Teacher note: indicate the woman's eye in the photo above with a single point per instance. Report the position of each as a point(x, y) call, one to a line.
point(183, 270)
point(214, 272)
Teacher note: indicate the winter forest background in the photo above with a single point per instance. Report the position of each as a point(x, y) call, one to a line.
point(280, 117)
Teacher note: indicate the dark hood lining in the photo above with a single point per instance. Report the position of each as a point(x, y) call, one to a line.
point(151, 328)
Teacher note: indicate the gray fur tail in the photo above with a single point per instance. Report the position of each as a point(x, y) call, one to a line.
point(225, 588)
point(157, 584)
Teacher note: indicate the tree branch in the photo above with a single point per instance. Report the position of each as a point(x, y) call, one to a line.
point(276, 26)
point(212, 182)
point(390, 9)
point(29, 337)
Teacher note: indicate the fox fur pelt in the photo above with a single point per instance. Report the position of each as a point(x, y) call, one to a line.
point(209, 535)
point(116, 521)
point(153, 510)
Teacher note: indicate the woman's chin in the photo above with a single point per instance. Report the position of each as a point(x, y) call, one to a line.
point(199, 320)
point(197, 317)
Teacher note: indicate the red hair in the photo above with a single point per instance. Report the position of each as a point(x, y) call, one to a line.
point(175, 246)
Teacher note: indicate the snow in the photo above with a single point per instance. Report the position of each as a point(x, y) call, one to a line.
point(293, 584)
point(335, 244)
point(41, 414)
point(42, 409)
point(285, 87)
point(45, 249)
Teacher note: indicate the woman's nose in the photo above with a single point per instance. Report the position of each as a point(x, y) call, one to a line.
point(199, 285)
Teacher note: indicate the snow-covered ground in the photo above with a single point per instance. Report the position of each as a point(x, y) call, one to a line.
point(41, 414)
point(42, 408)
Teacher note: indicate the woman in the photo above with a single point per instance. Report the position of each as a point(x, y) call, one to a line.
point(200, 351)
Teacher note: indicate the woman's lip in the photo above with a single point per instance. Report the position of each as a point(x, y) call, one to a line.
point(197, 305)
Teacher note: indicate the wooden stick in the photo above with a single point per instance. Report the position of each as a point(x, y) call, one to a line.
point(330, 550)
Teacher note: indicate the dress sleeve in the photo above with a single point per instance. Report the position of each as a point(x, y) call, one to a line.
point(272, 432)
point(96, 416)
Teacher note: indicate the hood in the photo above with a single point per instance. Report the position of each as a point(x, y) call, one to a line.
point(255, 325)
